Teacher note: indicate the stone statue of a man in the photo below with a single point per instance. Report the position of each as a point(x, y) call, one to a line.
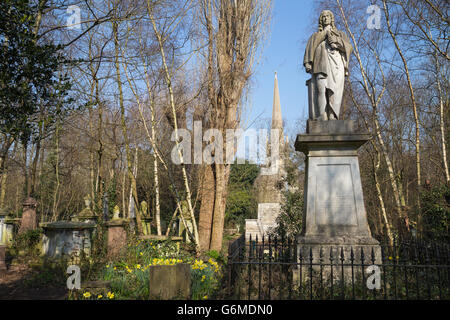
point(326, 58)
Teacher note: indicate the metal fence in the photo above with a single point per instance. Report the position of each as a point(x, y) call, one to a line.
point(274, 268)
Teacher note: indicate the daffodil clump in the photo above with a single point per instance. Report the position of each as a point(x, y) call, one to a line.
point(91, 296)
point(205, 278)
point(129, 276)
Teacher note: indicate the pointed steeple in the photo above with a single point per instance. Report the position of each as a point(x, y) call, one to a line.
point(277, 120)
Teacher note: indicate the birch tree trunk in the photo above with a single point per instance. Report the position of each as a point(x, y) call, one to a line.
point(442, 120)
point(175, 124)
point(415, 112)
point(124, 126)
point(374, 101)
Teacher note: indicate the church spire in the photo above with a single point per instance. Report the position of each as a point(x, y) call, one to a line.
point(277, 120)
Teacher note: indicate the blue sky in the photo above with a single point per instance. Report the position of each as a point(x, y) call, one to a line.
point(283, 53)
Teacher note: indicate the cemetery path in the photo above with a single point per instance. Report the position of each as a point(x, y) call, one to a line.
point(18, 284)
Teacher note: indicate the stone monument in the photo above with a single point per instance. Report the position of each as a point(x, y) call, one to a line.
point(145, 219)
point(117, 233)
point(269, 185)
point(87, 214)
point(67, 238)
point(29, 221)
point(334, 217)
point(187, 219)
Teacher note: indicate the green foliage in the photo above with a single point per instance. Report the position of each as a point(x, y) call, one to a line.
point(27, 242)
point(217, 256)
point(241, 201)
point(289, 222)
point(436, 213)
point(48, 273)
point(205, 279)
point(129, 273)
point(29, 82)
point(243, 175)
point(112, 195)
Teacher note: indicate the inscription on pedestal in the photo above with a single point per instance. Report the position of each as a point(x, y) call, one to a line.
point(335, 201)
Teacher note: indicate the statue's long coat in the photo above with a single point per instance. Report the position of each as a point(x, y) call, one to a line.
point(319, 54)
point(317, 57)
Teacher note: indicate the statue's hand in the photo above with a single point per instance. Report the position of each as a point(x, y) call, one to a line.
point(308, 67)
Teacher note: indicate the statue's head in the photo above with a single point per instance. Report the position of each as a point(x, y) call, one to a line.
point(326, 18)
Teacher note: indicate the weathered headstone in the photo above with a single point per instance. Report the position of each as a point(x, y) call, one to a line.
point(117, 234)
point(2, 259)
point(10, 228)
point(29, 221)
point(170, 282)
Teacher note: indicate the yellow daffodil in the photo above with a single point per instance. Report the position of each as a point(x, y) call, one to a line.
point(87, 295)
point(99, 296)
point(110, 295)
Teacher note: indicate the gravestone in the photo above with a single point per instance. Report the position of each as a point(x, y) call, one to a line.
point(2, 259)
point(10, 228)
point(117, 234)
point(29, 221)
point(170, 282)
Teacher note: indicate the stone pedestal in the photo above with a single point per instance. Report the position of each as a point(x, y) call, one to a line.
point(146, 226)
point(29, 221)
point(334, 216)
point(267, 216)
point(67, 238)
point(117, 236)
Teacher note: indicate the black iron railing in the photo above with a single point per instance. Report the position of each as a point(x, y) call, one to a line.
point(274, 268)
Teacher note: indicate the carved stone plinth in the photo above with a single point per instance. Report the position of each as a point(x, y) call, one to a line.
point(267, 215)
point(334, 216)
